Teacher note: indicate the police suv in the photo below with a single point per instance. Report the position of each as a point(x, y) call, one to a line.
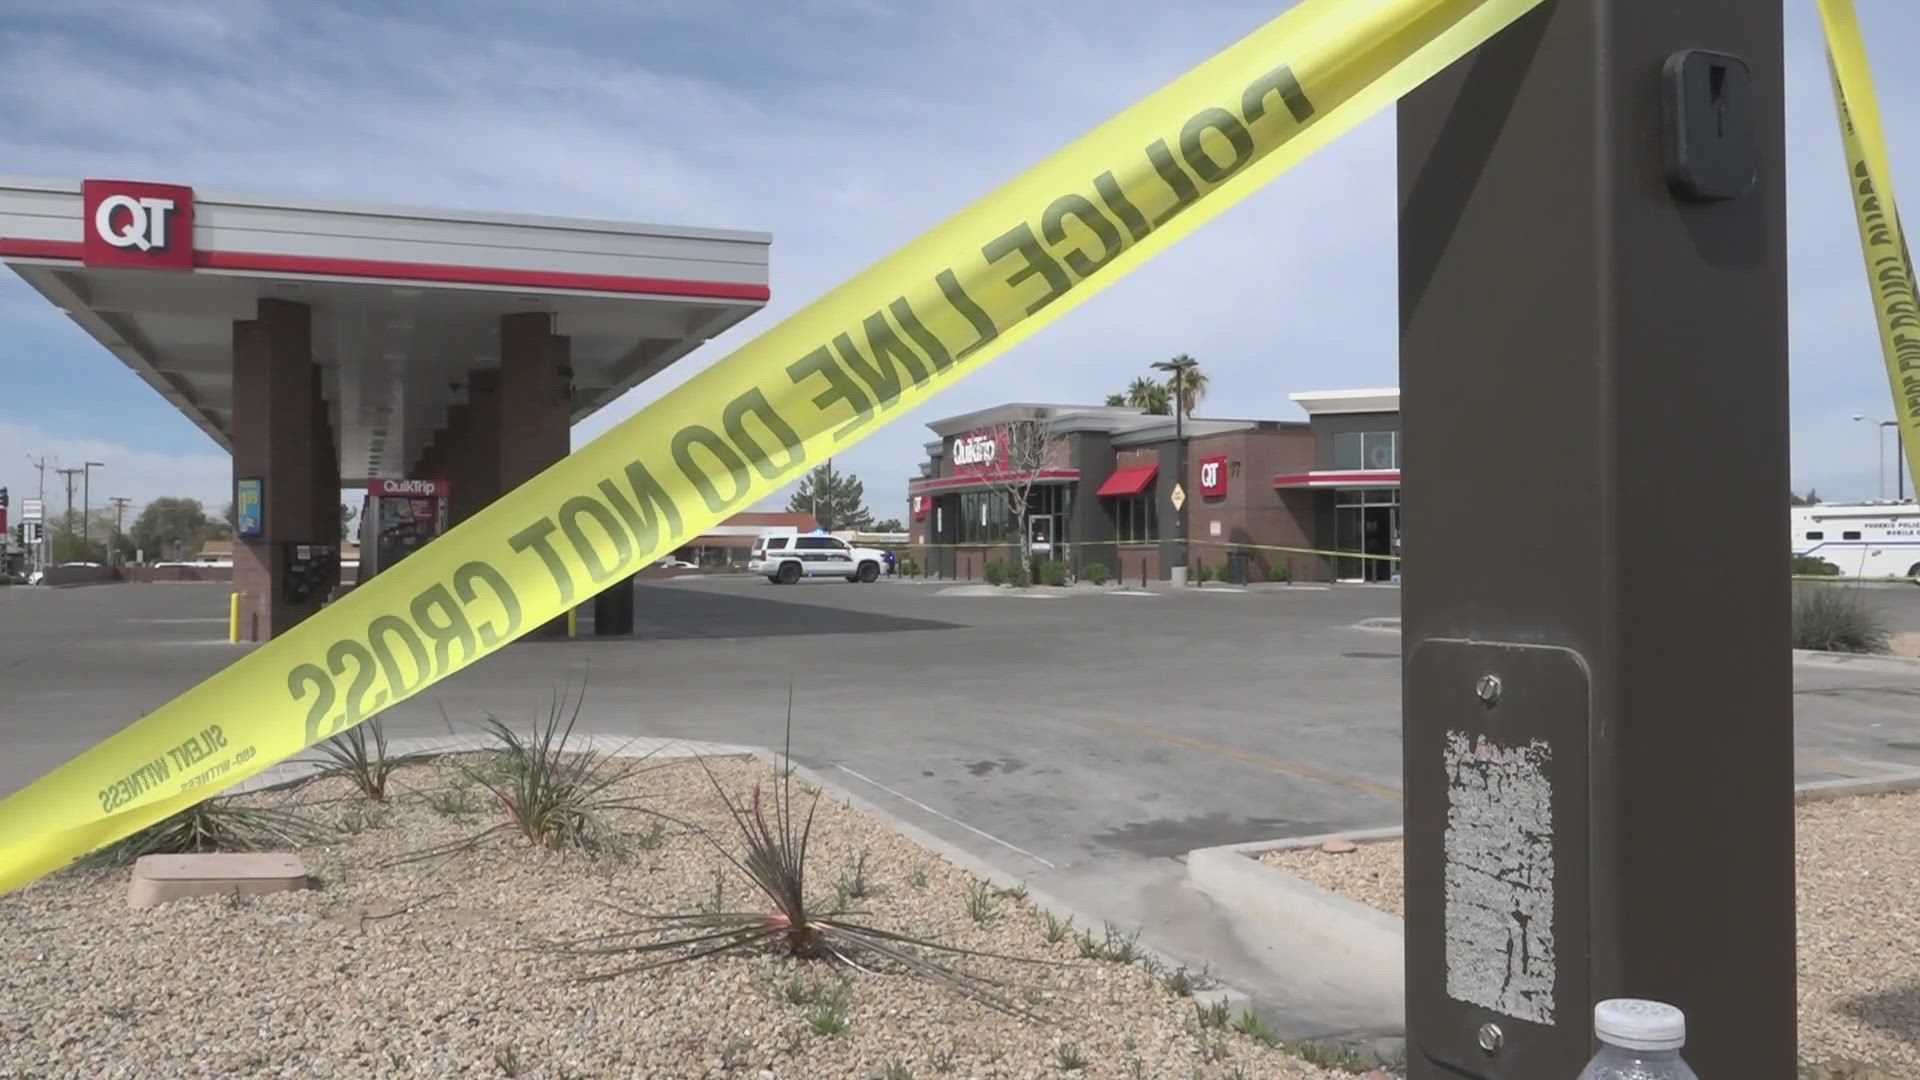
point(787, 559)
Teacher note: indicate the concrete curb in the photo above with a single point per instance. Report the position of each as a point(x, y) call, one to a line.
point(298, 770)
point(1369, 939)
point(1904, 665)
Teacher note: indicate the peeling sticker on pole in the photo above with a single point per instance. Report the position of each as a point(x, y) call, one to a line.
point(1499, 872)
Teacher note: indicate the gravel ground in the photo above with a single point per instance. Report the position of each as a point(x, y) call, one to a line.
point(1904, 644)
point(1859, 914)
point(436, 969)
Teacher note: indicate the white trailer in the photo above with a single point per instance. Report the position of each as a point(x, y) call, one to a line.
point(1862, 540)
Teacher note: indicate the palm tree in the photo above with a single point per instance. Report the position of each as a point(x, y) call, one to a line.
point(1119, 401)
point(1195, 389)
point(1149, 396)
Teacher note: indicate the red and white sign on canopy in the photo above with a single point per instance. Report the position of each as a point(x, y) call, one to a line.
point(137, 225)
point(409, 487)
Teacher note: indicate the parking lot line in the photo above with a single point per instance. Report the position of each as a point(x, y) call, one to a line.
point(1249, 757)
point(946, 817)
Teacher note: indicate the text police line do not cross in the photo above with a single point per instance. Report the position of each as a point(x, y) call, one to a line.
point(828, 374)
point(590, 540)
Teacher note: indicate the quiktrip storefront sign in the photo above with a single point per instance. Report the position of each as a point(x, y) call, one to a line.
point(980, 452)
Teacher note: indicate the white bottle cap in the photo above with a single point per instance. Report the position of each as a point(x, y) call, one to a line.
point(1637, 1024)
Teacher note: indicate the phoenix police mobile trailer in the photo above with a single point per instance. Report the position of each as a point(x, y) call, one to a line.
point(1864, 540)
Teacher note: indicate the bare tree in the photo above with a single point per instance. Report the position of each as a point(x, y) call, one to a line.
point(1027, 447)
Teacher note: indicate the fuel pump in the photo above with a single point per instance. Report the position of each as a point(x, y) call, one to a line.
point(399, 518)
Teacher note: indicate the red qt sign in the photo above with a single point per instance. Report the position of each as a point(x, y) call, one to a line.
point(1213, 476)
point(148, 226)
point(920, 504)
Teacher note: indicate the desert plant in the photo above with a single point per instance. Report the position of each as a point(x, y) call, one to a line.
point(994, 572)
point(980, 904)
point(908, 568)
point(918, 879)
point(1058, 929)
point(1112, 946)
point(829, 1014)
point(775, 862)
point(856, 887)
point(1095, 573)
point(1279, 572)
point(1053, 574)
point(369, 766)
point(211, 825)
point(556, 795)
point(1202, 571)
point(1255, 1028)
point(1836, 619)
point(1070, 1059)
point(1813, 566)
point(1214, 1015)
point(897, 1070)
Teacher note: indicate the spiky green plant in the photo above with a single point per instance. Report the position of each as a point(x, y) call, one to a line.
point(369, 766)
point(556, 794)
point(211, 825)
point(774, 860)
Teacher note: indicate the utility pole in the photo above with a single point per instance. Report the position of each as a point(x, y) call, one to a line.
point(86, 499)
point(120, 504)
point(69, 474)
point(1598, 737)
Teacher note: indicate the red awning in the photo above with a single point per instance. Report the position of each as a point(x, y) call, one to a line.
point(1131, 480)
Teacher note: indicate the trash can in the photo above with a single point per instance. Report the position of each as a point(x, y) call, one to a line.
point(1237, 562)
point(613, 610)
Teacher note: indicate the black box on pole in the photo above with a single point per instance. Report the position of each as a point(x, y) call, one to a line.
point(1598, 710)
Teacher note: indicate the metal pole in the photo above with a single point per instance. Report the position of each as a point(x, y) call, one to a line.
point(1598, 739)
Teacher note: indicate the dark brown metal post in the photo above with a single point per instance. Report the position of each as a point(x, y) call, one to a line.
point(1598, 701)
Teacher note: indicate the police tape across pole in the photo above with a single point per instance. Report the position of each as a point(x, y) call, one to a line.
point(823, 378)
point(1883, 241)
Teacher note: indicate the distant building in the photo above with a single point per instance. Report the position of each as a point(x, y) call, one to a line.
point(1312, 497)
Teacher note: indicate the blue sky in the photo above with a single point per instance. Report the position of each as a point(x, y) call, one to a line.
point(843, 127)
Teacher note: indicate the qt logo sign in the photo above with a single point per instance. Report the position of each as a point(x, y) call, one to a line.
point(1213, 476)
point(137, 225)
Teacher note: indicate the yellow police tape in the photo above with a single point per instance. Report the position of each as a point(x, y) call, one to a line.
point(823, 378)
point(1883, 241)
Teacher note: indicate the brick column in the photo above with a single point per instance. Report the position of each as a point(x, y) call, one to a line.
point(276, 413)
point(473, 460)
point(532, 431)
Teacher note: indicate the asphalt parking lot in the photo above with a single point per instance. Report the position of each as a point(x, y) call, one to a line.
point(1083, 742)
point(1069, 730)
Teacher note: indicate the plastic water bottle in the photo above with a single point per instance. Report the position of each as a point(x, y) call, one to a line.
point(1639, 1040)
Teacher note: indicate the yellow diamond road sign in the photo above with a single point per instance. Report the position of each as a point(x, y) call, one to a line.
point(1179, 496)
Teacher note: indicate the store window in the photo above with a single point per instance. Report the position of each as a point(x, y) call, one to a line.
point(1360, 450)
point(1136, 519)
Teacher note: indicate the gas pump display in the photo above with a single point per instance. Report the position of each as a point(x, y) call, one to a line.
point(401, 516)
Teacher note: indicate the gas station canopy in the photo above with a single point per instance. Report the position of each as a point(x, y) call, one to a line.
point(404, 304)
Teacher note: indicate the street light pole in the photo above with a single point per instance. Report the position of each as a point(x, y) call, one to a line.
point(1899, 449)
point(1598, 758)
point(1180, 366)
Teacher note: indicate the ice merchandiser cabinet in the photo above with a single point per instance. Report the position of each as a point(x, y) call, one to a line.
point(399, 518)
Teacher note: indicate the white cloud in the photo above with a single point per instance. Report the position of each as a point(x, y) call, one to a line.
point(845, 127)
point(138, 475)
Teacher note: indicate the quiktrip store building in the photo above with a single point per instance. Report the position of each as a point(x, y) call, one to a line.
point(1103, 493)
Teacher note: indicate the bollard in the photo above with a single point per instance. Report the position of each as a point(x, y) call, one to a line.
point(233, 618)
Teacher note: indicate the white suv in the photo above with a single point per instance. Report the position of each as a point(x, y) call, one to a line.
point(787, 559)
